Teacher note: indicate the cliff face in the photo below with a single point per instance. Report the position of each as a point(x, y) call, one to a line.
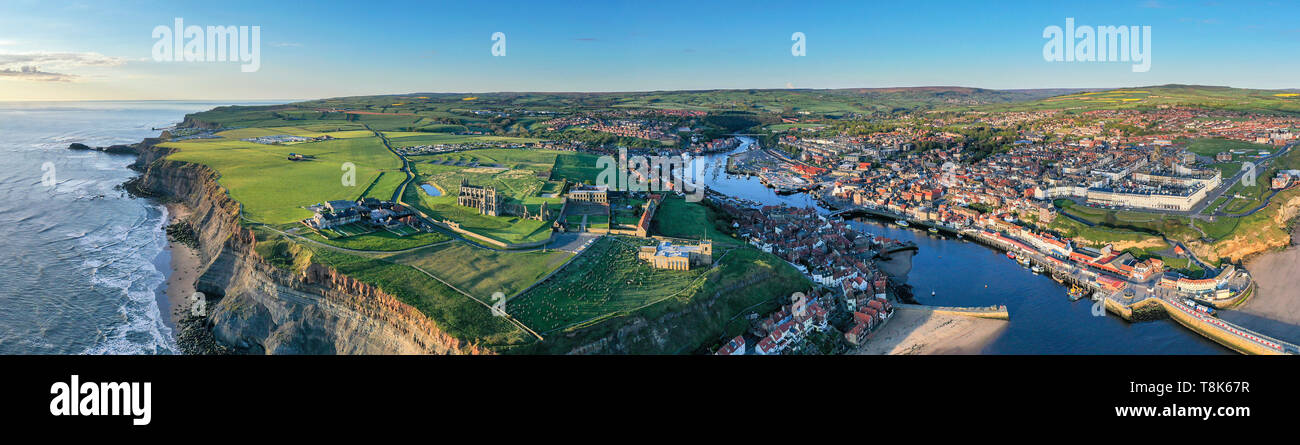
point(1271, 234)
point(255, 307)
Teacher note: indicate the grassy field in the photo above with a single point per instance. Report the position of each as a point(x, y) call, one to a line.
point(337, 133)
point(680, 219)
point(1120, 221)
point(410, 139)
point(608, 282)
point(576, 167)
point(606, 279)
point(520, 159)
point(275, 190)
point(1212, 146)
point(480, 271)
point(382, 240)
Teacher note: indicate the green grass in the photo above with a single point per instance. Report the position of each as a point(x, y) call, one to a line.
point(275, 190)
point(519, 159)
point(481, 271)
point(507, 229)
point(608, 282)
point(607, 278)
point(410, 139)
point(1124, 223)
point(1212, 146)
point(383, 240)
point(680, 219)
point(576, 167)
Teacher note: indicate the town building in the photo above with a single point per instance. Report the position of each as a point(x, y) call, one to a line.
point(594, 194)
point(667, 255)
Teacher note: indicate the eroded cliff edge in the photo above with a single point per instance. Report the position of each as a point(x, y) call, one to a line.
point(255, 307)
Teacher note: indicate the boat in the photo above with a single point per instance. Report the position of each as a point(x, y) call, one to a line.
point(1011, 255)
point(1023, 260)
point(901, 223)
point(934, 230)
point(1036, 269)
point(1076, 292)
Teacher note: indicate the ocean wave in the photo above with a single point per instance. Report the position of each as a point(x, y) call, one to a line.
point(123, 263)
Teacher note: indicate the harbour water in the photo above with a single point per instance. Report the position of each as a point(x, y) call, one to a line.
point(83, 262)
point(960, 273)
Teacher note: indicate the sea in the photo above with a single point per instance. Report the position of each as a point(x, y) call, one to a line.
point(82, 263)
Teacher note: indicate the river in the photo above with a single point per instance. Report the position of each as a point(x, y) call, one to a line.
point(960, 273)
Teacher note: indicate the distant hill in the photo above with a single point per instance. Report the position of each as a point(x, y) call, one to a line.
point(809, 101)
point(485, 111)
point(1213, 97)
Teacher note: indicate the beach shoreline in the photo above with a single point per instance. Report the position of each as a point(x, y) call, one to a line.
point(1274, 308)
point(915, 331)
point(183, 262)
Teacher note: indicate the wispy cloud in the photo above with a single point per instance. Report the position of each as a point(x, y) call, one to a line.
point(33, 73)
point(37, 65)
point(8, 42)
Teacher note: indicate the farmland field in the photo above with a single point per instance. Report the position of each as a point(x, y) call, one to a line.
point(275, 190)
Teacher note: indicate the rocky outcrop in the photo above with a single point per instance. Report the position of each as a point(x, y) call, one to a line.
point(118, 149)
point(1268, 235)
point(255, 307)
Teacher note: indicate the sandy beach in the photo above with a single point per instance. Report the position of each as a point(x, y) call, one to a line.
point(184, 268)
point(1274, 309)
point(919, 331)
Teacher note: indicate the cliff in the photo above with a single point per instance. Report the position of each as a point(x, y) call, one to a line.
point(1265, 231)
point(255, 307)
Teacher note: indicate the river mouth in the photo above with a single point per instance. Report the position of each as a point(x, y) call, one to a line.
point(947, 271)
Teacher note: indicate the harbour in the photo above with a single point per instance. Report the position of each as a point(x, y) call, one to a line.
point(953, 268)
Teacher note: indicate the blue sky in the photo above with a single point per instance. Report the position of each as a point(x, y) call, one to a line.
point(309, 49)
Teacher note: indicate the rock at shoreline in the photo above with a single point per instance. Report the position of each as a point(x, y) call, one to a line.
point(119, 149)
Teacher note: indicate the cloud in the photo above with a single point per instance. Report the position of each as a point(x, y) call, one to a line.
point(8, 42)
point(33, 73)
point(34, 65)
point(287, 45)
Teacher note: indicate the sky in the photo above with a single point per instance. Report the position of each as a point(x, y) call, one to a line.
point(105, 50)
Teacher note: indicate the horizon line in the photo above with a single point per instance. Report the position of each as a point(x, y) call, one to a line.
point(290, 100)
